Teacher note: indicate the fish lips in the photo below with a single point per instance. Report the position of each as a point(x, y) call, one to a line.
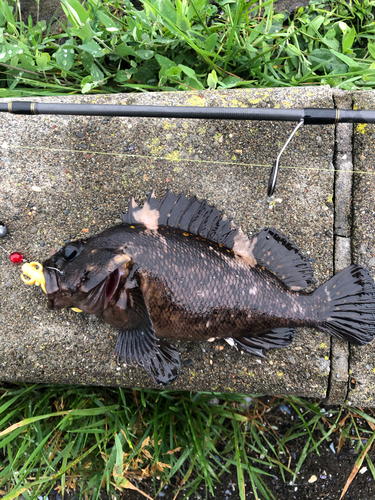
point(51, 281)
point(56, 298)
point(58, 301)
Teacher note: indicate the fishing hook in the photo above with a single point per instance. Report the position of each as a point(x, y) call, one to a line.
point(275, 168)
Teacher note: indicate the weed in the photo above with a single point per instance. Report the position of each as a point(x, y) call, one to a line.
point(112, 47)
point(90, 439)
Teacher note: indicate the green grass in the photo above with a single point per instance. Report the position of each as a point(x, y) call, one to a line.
point(92, 440)
point(186, 45)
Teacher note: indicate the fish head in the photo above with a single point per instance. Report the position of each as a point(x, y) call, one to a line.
point(85, 274)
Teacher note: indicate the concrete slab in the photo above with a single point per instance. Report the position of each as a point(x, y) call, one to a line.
point(66, 177)
point(362, 360)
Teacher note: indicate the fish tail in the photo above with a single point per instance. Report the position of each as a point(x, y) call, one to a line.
point(346, 305)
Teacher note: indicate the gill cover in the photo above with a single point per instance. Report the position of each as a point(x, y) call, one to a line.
point(101, 268)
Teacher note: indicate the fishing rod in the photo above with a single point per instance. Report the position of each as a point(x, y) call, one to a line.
point(304, 116)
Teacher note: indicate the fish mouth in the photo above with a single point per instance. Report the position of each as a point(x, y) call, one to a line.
point(56, 300)
point(97, 299)
point(112, 285)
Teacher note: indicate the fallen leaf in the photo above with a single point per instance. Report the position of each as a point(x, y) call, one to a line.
point(170, 452)
point(341, 444)
point(145, 442)
point(147, 454)
point(125, 483)
point(357, 465)
point(160, 466)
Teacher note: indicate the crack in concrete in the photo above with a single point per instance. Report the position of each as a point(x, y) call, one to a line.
point(338, 382)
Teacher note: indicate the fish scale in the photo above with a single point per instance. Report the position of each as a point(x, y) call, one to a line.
point(195, 290)
point(179, 269)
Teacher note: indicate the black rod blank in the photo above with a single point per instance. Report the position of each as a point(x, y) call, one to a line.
point(23, 107)
point(310, 116)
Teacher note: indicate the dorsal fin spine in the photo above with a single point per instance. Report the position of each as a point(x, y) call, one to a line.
point(197, 217)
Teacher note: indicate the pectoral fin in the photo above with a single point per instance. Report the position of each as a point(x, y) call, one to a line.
point(165, 366)
point(141, 347)
point(138, 345)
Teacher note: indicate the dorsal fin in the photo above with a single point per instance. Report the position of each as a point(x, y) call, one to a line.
point(283, 258)
point(193, 216)
point(147, 215)
point(178, 210)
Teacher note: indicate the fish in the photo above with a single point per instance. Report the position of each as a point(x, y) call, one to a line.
point(178, 268)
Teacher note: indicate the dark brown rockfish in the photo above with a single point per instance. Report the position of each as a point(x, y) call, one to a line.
point(179, 269)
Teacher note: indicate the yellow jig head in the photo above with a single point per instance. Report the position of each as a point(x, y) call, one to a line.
point(34, 271)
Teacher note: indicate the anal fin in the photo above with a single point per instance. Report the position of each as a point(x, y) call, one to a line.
point(273, 339)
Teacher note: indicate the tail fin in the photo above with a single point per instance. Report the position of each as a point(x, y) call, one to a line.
point(347, 305)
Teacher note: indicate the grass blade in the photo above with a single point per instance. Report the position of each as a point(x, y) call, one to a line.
point(357, 465)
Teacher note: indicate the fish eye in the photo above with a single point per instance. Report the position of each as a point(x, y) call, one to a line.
point(70, 252)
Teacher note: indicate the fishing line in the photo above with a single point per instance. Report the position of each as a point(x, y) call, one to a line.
point(179, 160)
point(305, 116)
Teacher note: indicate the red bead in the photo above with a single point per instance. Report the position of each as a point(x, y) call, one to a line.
point(16, 257)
